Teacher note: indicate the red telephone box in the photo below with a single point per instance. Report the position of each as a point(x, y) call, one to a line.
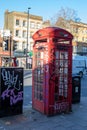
point(52, 71)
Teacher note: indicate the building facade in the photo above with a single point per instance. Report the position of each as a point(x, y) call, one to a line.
point(16, 22)
point(79, 31)
point(22, 26)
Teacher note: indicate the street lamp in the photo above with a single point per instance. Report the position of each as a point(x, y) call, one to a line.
point(10, 44)
point(27, 38)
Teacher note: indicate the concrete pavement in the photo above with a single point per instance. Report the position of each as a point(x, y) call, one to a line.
point(34, 120)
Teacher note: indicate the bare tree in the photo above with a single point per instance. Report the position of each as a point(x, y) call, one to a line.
point(64, 17)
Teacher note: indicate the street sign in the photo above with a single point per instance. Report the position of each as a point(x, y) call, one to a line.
point(30, 53)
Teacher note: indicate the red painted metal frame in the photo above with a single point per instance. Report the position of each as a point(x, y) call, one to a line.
point(54, 94)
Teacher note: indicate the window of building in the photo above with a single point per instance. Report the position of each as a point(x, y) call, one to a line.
point(38, 25)
point(84, 49)
point(76, 30)
point(24, 34)
point(74, 49)
point(0, 44)
point(32, 25)
point(86, 39)
point(24, 23)
point(17, 33)
point(15, 45)
point(17, 22)
point(82, 38)
point(23, 45)
point(31, 46)
point(31, 34)
point(76, 38)
point(83, 31)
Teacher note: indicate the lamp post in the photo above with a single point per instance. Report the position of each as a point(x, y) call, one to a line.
point(27, 38)
point(10, 49)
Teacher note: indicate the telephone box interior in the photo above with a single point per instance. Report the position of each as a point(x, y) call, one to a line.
point(52, 71)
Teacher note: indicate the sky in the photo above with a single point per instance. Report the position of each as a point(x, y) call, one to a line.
point(45, 8)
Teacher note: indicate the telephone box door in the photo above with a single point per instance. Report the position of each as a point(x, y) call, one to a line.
point(61, 79)
point(38, 80)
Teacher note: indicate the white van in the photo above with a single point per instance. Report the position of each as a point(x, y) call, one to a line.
point(79, 65)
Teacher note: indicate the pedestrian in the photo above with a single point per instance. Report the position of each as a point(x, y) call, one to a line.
point(14, 62)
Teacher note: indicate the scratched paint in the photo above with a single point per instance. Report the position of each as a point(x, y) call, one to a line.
point(62, 106)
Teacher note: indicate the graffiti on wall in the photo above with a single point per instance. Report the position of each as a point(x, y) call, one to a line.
point(11, 86)
point(10, 93)
point(62, 106)
point(10, 80)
